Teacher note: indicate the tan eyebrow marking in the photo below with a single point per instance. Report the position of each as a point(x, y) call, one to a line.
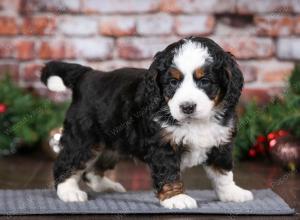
point(199, 72)
point(175, 73)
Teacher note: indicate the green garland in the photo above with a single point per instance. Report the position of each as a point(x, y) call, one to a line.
point(27, 118)
point(279, 113)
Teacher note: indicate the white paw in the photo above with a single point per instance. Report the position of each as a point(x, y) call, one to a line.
point(68, 191)
point(181, 201)
point(72, 195)
point(234, 194)
point(117, 187)
point(103, 184)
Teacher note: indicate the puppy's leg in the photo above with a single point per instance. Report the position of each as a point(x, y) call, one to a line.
point(73, 160)
point(164, 162)
point(69, 191)
point(219, 170)
point(95, 178)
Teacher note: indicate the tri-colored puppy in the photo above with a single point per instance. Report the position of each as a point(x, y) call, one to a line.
point(178, 114)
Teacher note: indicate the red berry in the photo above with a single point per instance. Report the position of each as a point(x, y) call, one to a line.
point(3, 108)
point(261, 139)
point(272, 135)
point(252, 153)
point(260, 148)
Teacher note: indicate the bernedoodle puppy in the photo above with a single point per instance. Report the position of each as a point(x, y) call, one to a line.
point(177, 114)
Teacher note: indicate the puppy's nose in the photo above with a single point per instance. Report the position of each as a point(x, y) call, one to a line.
point(188, 107)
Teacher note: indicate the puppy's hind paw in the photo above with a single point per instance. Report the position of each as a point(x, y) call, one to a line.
point(180, 201)
point(103, 184)
point(117, 187)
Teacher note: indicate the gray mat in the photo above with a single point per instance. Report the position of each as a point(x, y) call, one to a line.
point(45, 202)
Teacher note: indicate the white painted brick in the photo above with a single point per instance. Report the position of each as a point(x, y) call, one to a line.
point(120, 6)
point(194, 24)
point(288, 48)
point(78, 26)
point(93, 48)
point(142, 48)
point(157, 24)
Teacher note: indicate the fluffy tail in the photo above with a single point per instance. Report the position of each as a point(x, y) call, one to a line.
point(57, 76)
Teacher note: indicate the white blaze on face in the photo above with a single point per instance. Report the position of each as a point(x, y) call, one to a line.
point(187, 59)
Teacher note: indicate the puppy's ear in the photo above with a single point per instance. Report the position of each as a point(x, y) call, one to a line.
point(235, 81)
point(163, 59)
point(148, 93)
point(157, 66)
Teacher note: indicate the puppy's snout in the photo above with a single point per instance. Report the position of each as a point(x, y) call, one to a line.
point(188, 107)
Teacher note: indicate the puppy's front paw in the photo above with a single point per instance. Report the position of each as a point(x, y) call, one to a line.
point(72, 195)
point(181, 201)
point(234, 194)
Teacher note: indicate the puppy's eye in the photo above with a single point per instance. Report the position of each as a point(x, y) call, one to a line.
point(204, 82)
point(174, 82)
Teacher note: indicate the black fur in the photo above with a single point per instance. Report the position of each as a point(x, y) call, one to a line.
point(116, 110)
point(220, 157)
point(69, 72)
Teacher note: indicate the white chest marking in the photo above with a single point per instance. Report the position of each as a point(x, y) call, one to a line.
point(199, 137)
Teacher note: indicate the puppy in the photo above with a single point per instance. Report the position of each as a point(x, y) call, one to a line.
point(177, 114)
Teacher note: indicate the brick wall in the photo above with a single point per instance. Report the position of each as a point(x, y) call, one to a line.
point(264, 35)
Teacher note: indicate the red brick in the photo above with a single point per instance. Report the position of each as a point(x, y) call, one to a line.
point(93, 48)
point(117, 26)
point(7, 49)
point(276, 91)
point(268, 71)
point(270, 25)
point(142, 48)
point(194, 6)
point(25, 50)
point(247, 47)
point(38, 25)
point(249, 72)
point(56, 6)
point(156, 24)
point(297, 25)
point(277, 77)
point(31, 72)
point(86, 48)
point(259, 95)
point(274, 71)
point(9, 68)
point(56, 49)
point(278, 7)
point(228, 30)
point(194, 25)
point(120, 6)
point(8, 26)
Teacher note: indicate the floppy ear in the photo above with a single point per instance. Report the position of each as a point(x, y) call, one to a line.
point(158, 65)
point(148, 95)
point(163, 59)
point(235, 81)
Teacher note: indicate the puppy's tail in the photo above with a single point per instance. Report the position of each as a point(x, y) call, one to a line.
point(57, 76)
